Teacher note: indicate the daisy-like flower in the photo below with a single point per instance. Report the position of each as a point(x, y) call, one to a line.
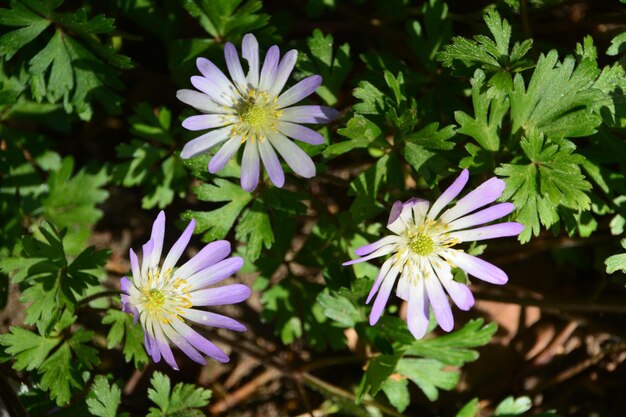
point(423, 256)
point(163, 298)
point(251, 110)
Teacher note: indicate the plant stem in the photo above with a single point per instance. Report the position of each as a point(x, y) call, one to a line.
point(102, 294)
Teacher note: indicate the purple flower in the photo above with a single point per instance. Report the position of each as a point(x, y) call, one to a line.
point(423, 256)
point(161, 296)
point(250, 109)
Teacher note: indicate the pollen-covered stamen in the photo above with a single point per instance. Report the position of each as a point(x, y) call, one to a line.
point(421, 244)
point(257, 116)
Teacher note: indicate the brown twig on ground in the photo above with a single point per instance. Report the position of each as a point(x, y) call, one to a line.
point(245, 391)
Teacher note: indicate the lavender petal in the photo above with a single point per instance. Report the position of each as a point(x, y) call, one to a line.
point(283, 72)
point(387, 240)
point(476, 267)
point(250, 52)
point(384, 270)
point(209, 255)
point(418, 314)
point(213, 320)
point(303, 89)
point(199, 342)
point(203, 143)
point(215, 75)
point(208, 121)
point(270, 68)
point(250, 166)
point(134, 265)
point(481, 217)
point(296, 158)
point(439, 302)
point(301, 133)
point(214, 91)
point(383, 294)
point(228, 294)
point(178, 248)
point(215, 273)
point(157, 235)
point(488, 232)
point(484, 194)
point(226, 152)
point(308, 114)
point(201, 102)
point(234, 67)
point(183, 345)
point(271, 163)
point(450, 194)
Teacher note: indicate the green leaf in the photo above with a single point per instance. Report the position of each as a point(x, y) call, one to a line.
point(338, 307)
point(361, 132)
point(469, 410)
point(254, 228)
point(29, 349)
point(423, 149)
point(333, 67)
point(550, 180)
point(229, 19)
point(397, 391)
point(72, 199)
point(513, 406)
point(217, 223)
point(429, 375)
point(30, 26)
point(490, 107)
point(379, 369)
point(492, 55)
point(103, 399)
point(124, 331)
point(559, 100)
point(452, 348)
point(183, 400)
point(617, 47)
point(426, 39)
point(616, 262)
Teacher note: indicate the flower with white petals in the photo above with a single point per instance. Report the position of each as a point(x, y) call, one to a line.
point(162, 297)
point(251, 110)
point(423, 257)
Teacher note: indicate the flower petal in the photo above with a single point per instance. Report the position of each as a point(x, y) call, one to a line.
point(134, 265)
point(250, 52)
point(450, 194)
point(303, 89)
point(301, 133)
point(250, 166)
point(481, 217)
point(283, 72)
point(212, 319)
point(158, 233)
point(214, 91)
point(384, 270)
point(200, 342)
point(488, 232)
point(234, 67)
point(203, 143)
point(484, 194)
point(208, 121)
point(146, 256)
point(477, 267)
point(151, 347)
point(402, 214)
point(418, 314)
point(183, 345)
point(439, 302)
point(271, 163)
point(308, 114)
point(163, 346)
point(226, 152)
point(460, 293)
point(296, 158)
point(387, 240)
point(215, 75)
point(270, 67)
point(383, 295)
point(215, 273)
point(179, 247)
point(228, 294)
point(377, 253)
point(202, 102)
point(209, 255)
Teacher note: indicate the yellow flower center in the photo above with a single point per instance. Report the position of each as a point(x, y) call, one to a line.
point(421, 244)
point(257, 116)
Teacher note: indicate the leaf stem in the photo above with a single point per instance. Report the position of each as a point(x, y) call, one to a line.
point(102, 294)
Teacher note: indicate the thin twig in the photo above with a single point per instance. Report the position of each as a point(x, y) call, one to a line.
point(574, 305)
point(102, 294)
point(245, 391)
point(12, 403)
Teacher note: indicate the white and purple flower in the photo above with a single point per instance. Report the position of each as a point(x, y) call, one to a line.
point(162, 297)
point(423, 256)
point(250, 109)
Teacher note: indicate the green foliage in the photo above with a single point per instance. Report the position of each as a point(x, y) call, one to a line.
point(333, 67)
point(228, 19)
point(547, 180)
point(74, 67)
point(426, 39)
point(616, 262)
point(149, 161)
point(494, 56)
point(124, 331)
point(182, 400)
point(52, 283)
point(104, 399)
